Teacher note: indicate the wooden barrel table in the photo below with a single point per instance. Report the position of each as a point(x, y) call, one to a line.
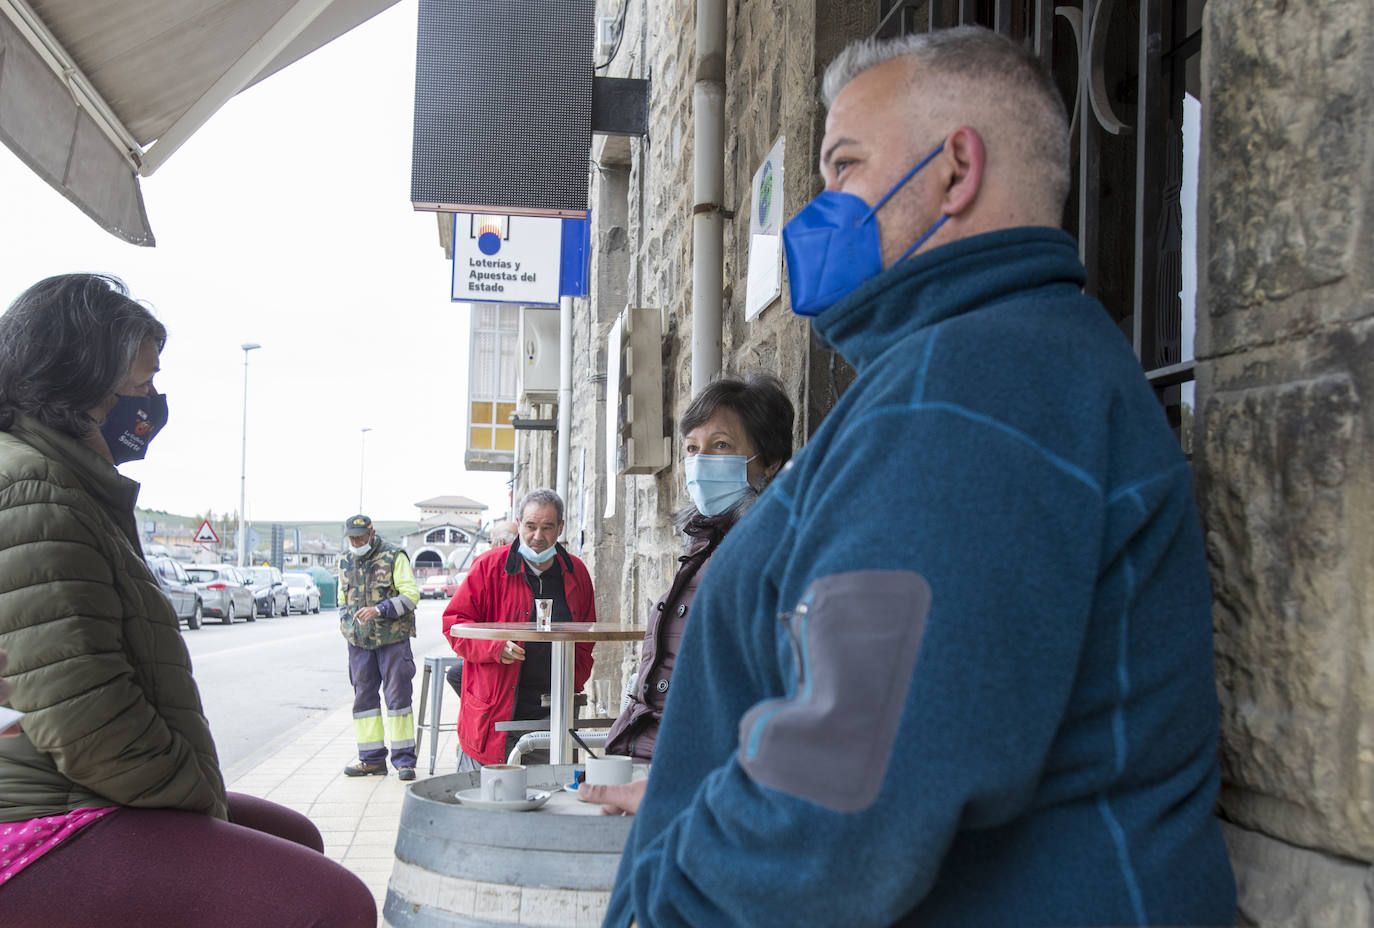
point(458, 865)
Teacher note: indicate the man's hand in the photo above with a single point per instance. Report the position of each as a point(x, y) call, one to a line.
point(621, 799)
point(365, 614)
point(512, 652)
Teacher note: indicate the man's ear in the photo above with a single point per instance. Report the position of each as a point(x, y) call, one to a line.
point(965, 159)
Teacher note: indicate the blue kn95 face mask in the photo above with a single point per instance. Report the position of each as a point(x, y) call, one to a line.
point(833, 245)
point(716, 481)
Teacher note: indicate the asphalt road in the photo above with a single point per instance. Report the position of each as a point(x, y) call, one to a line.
point(263, 680)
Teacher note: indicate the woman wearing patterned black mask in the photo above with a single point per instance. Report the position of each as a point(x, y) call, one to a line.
point(113, 781)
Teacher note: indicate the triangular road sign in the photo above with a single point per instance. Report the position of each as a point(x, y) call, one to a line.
point(206, 535)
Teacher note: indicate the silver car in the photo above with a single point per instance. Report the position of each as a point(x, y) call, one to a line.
point(177, 587)
point(269, 591)
point(224, 591)
point(305, 595)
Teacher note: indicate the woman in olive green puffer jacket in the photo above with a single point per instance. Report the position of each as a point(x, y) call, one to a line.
point(111, 798)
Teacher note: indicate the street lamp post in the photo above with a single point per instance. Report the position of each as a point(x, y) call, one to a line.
point(362, 466)
point(243, 463)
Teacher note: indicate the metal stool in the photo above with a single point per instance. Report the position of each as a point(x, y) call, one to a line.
point(432, 691)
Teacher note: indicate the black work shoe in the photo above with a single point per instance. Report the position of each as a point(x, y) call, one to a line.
point(405, 773)
point(360, 769)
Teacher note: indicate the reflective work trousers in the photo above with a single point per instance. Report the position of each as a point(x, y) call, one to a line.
point(390, 669)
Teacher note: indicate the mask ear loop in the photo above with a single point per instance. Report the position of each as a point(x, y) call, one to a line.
point(898, 186)
point(922, 240)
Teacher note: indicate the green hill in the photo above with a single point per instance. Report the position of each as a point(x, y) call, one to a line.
point(332, 529)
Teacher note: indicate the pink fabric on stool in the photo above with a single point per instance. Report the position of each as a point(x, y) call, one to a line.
point(21, 843)
point(159, 868)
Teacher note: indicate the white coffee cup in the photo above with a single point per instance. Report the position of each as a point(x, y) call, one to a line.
point(609, 769)
point(503, 782)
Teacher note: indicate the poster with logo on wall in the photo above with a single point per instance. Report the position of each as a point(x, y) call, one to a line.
point(506, 259)
point(764, 283)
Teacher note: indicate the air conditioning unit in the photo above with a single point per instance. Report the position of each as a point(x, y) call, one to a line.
point(636, 443)
point(538, 355)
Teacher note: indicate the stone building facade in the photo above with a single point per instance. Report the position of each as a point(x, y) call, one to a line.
point(642, 207)
point(1283, 443)
point(1285, 446)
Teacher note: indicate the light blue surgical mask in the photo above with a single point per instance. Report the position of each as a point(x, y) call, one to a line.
point(717, 481)
point(833, 245)
point(359, 550)
point(537, 557)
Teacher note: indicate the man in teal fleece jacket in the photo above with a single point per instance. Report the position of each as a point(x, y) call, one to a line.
point(955, 667)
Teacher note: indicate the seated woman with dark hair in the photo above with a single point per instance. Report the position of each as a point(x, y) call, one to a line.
point(736, 435)
point(112, 805)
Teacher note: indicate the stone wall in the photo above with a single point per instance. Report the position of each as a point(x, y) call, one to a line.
point(1283, 457)
point(642, 229)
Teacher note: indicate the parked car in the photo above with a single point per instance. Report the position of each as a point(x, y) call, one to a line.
point(303, 593)
point(269, 591)
point(435, 586)
point(177, 587)
point(224, 591)
point(454, 581)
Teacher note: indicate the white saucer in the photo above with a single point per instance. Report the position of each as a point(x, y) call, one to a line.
point(533, 800)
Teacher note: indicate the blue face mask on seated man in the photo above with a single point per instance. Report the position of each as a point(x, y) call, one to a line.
point(536, 557)
point(833, 245)
point(716, 481)
point(132, 424)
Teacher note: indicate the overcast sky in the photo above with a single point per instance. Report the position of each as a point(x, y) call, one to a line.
point(286, 220)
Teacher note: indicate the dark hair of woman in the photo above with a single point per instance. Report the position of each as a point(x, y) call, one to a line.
point(763, 409)
point(66, 344)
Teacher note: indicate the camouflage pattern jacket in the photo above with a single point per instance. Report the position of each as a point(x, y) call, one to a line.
point(366, 580)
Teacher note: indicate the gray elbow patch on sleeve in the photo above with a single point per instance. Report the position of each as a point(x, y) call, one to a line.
point(855, 637)
point(402, 603)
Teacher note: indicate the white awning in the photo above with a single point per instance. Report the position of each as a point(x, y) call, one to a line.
point(93, 94)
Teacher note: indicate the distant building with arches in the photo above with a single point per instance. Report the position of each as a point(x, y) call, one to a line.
point(444, 539)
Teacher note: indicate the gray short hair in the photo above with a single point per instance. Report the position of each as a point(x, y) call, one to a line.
point(974, 66)
point(541, 497)
point(66, 344)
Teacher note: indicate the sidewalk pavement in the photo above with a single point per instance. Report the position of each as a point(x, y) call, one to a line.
point(357, 816)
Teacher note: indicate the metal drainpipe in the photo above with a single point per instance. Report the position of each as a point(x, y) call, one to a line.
point(565, 358)
point(708, 156)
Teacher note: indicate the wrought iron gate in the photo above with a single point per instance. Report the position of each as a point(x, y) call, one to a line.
point(1123, 69)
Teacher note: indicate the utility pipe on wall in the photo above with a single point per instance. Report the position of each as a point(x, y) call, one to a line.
point(708, 192)
point(565, 360)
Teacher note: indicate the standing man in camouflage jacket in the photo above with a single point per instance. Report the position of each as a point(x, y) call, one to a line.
point(377, 597)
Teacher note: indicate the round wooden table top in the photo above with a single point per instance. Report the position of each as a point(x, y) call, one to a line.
point(562, 631)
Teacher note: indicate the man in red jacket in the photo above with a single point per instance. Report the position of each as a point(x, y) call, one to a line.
point(504, 680)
